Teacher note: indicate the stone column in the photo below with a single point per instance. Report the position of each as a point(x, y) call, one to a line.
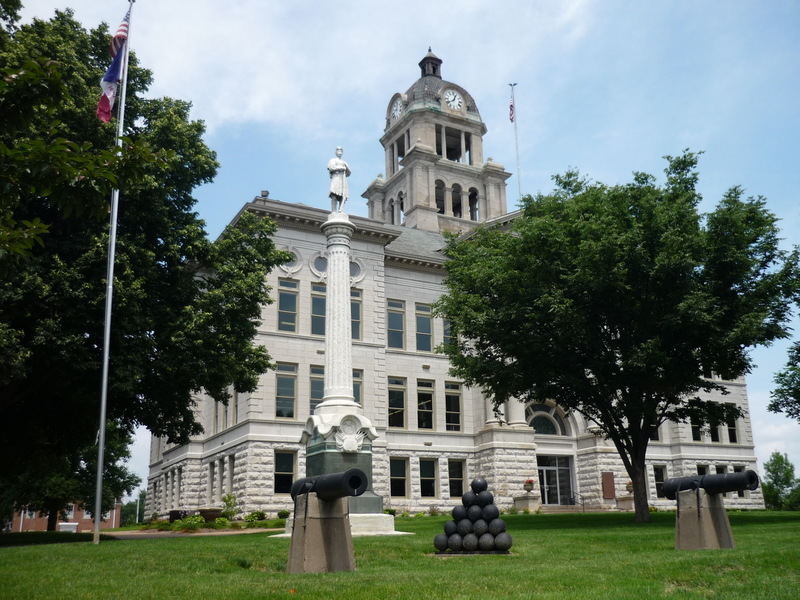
point(338, 347)
point(515, 411)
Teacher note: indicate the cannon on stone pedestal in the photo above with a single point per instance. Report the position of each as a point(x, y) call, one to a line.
point(321, 538)
point(712, 484)
point(701, 521)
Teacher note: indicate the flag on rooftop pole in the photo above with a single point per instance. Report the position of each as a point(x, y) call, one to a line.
point(114, 73)
point(118, 71)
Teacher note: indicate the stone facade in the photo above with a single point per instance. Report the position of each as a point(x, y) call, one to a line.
point(434, 434)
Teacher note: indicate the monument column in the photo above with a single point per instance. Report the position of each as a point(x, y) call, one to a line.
point(338, 231)
point(338, 436)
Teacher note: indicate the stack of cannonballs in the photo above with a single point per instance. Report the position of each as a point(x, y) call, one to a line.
point(476, 526)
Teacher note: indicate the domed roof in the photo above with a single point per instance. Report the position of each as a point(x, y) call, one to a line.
point(427, 89)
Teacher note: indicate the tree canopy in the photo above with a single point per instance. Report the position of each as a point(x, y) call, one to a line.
point(618, 302)
point(779, 481)
point(786, 396)
point(185, 308)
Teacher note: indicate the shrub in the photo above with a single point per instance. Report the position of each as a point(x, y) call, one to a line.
point(256, 515)
point(283, 514)
point(230, 510)
point(433, 511)
point(222, 521)
point(390, 511)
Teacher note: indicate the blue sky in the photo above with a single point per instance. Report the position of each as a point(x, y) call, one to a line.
point(606, 86)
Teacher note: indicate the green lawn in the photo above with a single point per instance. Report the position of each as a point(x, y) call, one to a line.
point(592, 557)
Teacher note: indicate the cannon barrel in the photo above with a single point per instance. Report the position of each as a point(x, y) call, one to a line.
point(332, 486)
point(712, 484)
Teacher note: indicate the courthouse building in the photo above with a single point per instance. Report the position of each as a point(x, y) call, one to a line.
point(434, 433)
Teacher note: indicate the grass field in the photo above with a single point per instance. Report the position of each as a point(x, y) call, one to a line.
point(582, 556)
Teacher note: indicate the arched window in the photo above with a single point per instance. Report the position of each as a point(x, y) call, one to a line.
point(546, 419)
point(439, 193)
point(474, 214)
point(457, 201)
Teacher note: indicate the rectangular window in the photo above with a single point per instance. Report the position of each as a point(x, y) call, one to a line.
point(654, 433)
point(721, 469)
point(317, 386)
point(287, 305)
point(397, 402)
point(447, 335)
point(398, 477)
point(452, 406)
point(730, 423)
point(702, 469)
point(284, 472)
point(427, 477)
point(424, 404)
point(286, 394)
point(317, 309)
point(714, 431)
point(358, 384)
point(456, 477)
point(424, 328)
point(697, 434)
point(355, 314)
point(395, 323)
point(659, 474)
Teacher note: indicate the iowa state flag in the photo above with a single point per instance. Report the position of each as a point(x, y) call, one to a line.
point(109, 84)
point(113, 74)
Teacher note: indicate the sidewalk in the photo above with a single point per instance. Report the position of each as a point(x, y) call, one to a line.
point(149, 534)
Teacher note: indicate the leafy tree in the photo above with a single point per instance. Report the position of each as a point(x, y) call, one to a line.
point(779, 480)
point(72, 478)
point(129, 514)
point(786, 397)
point(185, 308)
point(617, 302)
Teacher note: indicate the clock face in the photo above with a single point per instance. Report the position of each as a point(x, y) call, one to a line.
point(453, 99)
point(397, 109)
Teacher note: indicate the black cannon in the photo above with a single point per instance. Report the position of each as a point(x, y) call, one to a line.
point(332, 486)
point(712, 484)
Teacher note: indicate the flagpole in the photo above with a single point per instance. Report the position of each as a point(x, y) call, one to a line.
point(516, 136)
point(112, 244)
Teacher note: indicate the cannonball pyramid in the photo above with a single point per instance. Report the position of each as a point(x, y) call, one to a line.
point(476, 526)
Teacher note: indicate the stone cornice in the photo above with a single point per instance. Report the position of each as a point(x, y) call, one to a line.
point(308, 218)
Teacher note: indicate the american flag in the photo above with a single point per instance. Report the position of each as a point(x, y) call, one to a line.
point(113, 74)
point(122, 34)
point(511, 110)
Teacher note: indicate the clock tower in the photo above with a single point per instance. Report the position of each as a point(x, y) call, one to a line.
point(436, 177)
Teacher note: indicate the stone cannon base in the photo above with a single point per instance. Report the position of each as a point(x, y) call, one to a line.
point(321, 538)
point(701, 522)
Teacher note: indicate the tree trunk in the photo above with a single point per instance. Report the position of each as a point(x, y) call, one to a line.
point(640, 492)
point(52, 516)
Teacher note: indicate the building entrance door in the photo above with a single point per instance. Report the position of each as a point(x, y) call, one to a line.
point(555, 479)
